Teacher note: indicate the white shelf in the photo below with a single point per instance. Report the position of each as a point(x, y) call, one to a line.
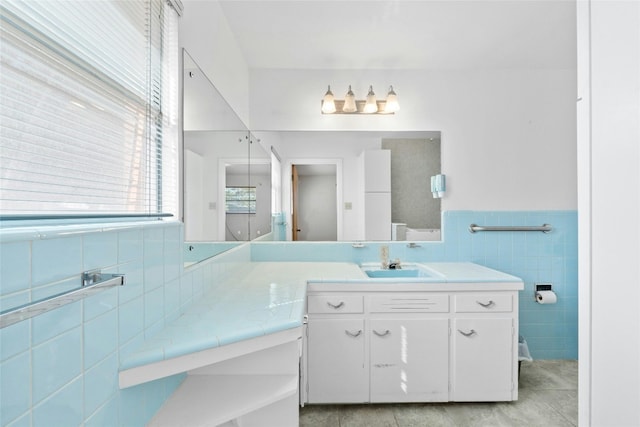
point(211, 400)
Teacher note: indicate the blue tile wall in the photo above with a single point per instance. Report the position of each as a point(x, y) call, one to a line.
point(551, 331)
point(61, 367)
point(62, 408)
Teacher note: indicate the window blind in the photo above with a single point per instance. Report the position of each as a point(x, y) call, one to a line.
point(89, 107)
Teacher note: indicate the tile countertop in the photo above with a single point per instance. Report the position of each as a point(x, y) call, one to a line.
point(444, 276)
point(269, 297)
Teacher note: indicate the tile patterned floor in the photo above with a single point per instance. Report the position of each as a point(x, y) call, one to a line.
point(548, 396)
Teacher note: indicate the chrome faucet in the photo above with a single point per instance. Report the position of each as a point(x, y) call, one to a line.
point(395, 265)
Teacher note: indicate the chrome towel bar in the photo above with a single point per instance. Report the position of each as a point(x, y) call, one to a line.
point(545, 228)
point(92, 282)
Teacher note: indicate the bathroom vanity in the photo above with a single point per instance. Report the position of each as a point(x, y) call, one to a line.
point(427, 332)
point(450, 335)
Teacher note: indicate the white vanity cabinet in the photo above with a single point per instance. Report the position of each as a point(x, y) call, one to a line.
point(336, 370)
point(413, 346)
point(408, 346)
point(377, 348)
point(336, 361)
point(484, 347)
point(409, 360)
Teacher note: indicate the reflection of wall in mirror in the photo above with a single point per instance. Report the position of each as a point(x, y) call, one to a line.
point(260, 223)
point(348, 147)
point(413, 162)
point(193, 196)
point(208, 147)
point(242, 227)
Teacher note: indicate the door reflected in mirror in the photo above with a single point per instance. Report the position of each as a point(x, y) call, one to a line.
point(314, 202)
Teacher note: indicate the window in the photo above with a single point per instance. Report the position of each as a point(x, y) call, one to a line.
point(89, 107)
point(240, 200)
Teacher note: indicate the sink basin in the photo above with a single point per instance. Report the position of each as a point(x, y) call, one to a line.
point(376, 272)
point(408, 272)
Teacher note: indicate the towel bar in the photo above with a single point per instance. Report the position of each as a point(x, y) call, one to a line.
point(92, 282)
point(545, 228)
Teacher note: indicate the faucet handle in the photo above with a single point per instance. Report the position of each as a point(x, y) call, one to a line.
point(395, 265)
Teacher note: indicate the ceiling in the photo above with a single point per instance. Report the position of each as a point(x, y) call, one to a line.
point(404, 34)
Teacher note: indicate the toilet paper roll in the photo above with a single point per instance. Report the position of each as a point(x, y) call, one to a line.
point(546, 297)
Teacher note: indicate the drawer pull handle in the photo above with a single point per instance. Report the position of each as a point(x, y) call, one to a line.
point(467, 334)
point(487, 305)
point(382, 334)
point(352, 334)
point(336, 306)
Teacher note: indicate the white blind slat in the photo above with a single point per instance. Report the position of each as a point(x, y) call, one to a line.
point(88, 117)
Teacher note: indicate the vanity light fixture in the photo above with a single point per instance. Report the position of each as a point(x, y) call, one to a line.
point(350, 105)
point(349, 102)
point(328, 103)
point(392, 102)
point(371, 106)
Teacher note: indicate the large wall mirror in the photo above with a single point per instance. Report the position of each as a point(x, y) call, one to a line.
point(325, 196)
point(230, 194)
point(227, 184)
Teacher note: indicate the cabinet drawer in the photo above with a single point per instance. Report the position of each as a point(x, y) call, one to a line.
point(335, 304)
point(399, 303)
point(483, 303)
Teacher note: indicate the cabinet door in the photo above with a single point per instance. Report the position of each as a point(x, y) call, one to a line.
point(483, 361)
point(336, 361)
point(409, 360)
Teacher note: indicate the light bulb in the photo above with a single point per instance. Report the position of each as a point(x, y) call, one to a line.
point(349, 102)
point(392, 102)
point(370, 106)
point(328, 104)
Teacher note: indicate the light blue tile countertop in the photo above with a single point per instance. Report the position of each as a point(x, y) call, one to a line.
point(439, 277)
point(268, 297)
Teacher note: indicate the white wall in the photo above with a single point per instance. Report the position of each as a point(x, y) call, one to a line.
point(609, 212)
point(205, 34)
point(508, 136)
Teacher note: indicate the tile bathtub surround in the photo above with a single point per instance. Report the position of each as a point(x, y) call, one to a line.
point(62, 366)
point(551, 331)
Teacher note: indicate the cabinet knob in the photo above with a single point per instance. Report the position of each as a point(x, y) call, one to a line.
point(382, 334)
point(467, 334)
point(486, 305)
point(353, 334)
point(336, 306)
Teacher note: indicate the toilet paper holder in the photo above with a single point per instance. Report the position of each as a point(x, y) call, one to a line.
point(538, 287)
point(544, 294)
